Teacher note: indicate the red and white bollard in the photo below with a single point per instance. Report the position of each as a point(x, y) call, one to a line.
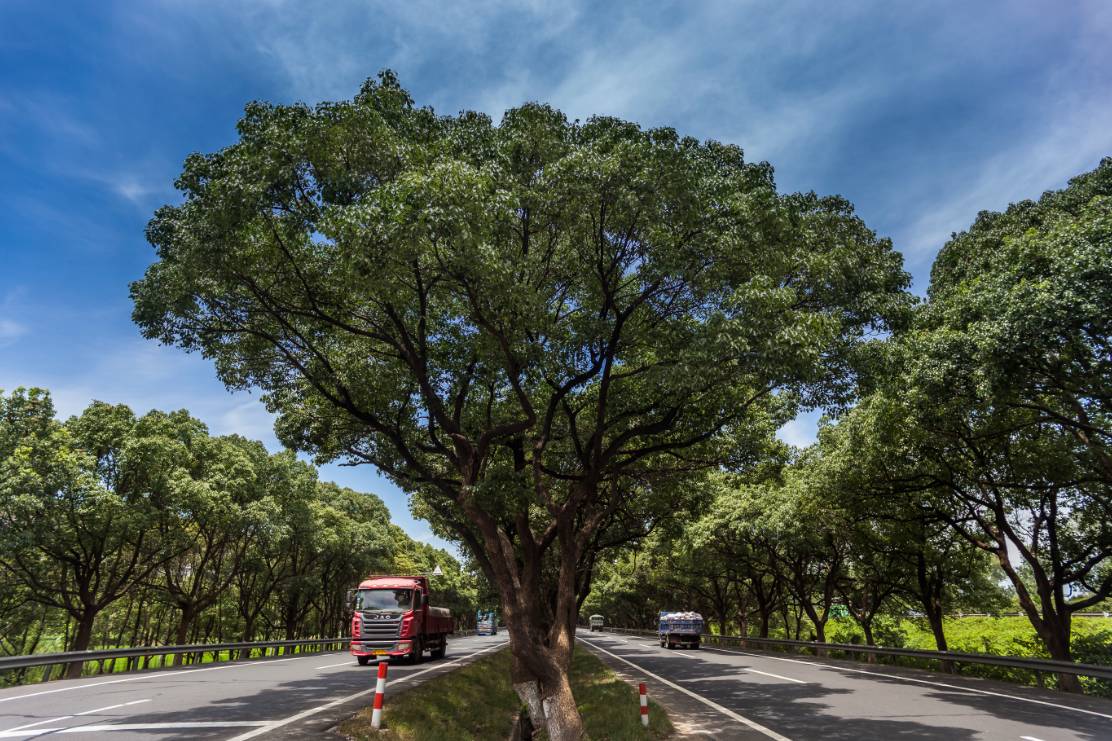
point(380, 695)
point(644, 704)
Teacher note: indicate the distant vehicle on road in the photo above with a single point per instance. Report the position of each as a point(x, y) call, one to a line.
point(392, 618)
point(596, 622)
point(486, 623)
point(680, 629)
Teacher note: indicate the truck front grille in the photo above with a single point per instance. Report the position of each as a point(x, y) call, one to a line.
point(377, 627)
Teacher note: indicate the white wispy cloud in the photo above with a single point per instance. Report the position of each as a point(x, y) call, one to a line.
point(1067, 133)
point(247, 418)
point(10, 331)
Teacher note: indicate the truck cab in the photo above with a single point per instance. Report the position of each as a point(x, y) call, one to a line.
point(392, 618)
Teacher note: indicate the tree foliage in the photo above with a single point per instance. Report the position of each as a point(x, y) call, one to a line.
point(978, 453)
point(519, 323)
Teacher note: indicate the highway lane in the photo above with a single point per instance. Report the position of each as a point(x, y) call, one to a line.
point(297, 696)
point(759, 696)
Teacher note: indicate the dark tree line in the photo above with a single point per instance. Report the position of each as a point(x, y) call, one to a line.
point(121, 530)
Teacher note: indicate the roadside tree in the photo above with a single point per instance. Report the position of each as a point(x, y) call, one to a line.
point(512, 321)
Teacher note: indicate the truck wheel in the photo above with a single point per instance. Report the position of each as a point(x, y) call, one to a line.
point(363, 660)
point(441, 650)
point(417, 652)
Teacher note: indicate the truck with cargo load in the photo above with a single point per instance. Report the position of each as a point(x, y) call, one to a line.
point(486, 623)
point(392, 618)
point(680, 629)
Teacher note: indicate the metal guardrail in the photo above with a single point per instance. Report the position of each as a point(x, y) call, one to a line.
point(1013, 613)
point(8, 663)
point(1039, 666)
point(11, 663)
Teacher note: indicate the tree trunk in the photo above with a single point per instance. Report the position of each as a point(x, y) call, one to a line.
point(930, 596)
point(540, 617)
point(248, 636)
point(540, 677)
point(742, 622)
point(867, 627)
point(766, 618)
point(1052, 623)
point(181, 635)
point(1056, 636)
point(81, 640)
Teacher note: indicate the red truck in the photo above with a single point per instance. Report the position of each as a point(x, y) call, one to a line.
point(391, 617)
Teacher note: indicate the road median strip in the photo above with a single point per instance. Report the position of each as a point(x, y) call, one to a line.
point(478, 701)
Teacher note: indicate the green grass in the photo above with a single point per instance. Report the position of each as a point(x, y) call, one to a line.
point(477, 702)
point(609, 705)
point(1003, 636)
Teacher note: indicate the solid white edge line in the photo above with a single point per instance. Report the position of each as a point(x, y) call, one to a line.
point(152, 675)
point(990, 693)
point(776, 676)
point(36, 723)
point(67, 717)
point(270, 726)
point(333, 666)
point(711, 703)
point(131, 727)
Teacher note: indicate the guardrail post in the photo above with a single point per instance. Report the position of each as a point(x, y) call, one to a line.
point(380, 696)
point(644, 693)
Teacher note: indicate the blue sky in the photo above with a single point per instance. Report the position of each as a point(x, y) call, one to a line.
point(920, 113)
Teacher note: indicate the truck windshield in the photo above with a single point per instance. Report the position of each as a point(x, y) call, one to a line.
point(398, 600)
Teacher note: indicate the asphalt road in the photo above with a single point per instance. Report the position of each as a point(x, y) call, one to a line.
point(294, 697)
point(726, 694)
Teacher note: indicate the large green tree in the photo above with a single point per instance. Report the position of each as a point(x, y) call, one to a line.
point(995, 414)
point(80, 503)
point(1014, 351)
point(513, 321)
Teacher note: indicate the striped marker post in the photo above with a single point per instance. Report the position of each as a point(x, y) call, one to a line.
point(380, 694)
point(644, 704)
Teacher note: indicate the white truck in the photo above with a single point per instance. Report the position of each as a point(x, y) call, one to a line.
point(595, 622)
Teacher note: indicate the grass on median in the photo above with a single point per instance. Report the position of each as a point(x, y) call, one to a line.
point(477, 702)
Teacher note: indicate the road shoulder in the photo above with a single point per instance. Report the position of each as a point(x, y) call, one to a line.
point(692, 719)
